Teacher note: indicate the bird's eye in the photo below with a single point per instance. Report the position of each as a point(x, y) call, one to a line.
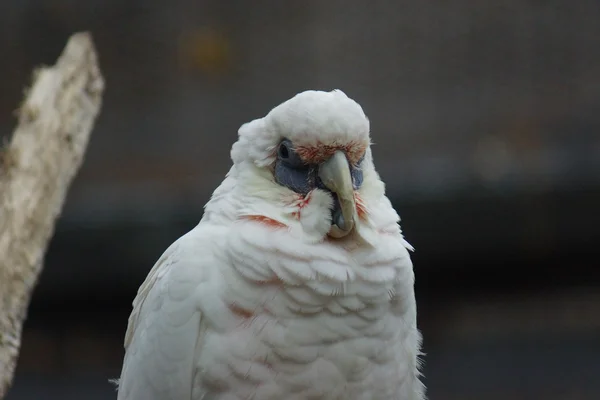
point(284, 151)
point(287, 155)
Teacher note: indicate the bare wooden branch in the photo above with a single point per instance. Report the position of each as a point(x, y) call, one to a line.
point(36, 169)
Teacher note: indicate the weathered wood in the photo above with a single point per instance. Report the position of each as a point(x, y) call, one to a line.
point(36, 169)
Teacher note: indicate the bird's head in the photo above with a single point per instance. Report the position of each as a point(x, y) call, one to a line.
point(307, 166)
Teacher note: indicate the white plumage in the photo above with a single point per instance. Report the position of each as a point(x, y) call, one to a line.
point(261, 300)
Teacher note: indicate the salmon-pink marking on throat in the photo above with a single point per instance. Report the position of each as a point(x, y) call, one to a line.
point(361, 208)
point(240, 311)
point(269, 222)
point(301, 202)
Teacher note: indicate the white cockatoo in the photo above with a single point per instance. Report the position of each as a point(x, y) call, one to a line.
point(296, 284)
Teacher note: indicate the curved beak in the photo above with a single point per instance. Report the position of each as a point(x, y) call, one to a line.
point(335, 175)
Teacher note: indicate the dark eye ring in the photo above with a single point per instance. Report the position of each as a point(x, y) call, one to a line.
point(283, 151)
point(287, 155)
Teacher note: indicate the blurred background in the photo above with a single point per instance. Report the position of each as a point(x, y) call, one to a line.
point(485, 118)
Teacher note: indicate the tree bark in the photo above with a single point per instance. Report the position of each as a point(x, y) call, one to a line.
point(36, 169)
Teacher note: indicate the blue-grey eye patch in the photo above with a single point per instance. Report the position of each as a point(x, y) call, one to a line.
point(357, 173)
point(291, 171)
